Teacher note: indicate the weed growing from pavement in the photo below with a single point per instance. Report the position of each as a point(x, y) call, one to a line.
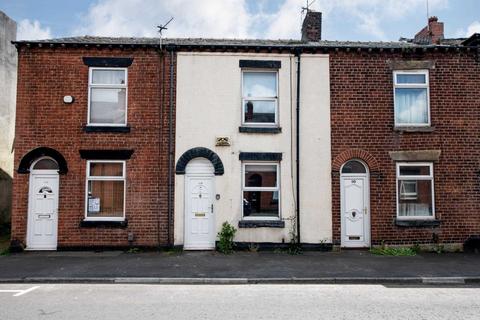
point(395, 251)
point(134, 250)
point(225, 238)
point(294, 247)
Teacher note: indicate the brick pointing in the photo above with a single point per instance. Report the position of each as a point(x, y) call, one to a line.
point(363, 127)
point(45, 75)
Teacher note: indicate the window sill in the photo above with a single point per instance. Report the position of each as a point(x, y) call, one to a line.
point(103, 224)
point(245, 129)
point(417, 223)
point(414, 129)
point(114, 129)
point(261, 224)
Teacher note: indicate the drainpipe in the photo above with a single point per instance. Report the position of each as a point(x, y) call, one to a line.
point(160, 128)
point(297, 54)
point(170, 148)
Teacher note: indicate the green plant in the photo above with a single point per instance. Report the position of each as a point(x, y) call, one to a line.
point(5, 252)
point(225, 238)
point(416, 248)
point(294, 247)
point(133, 250)
point(253, 247)
point(393, 251)
point(439, 248)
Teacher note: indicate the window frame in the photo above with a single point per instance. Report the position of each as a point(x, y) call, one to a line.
point(274, 99)
point(106, 178)
point(277, 188)
point(425, 85)
point(429, 177)
point(107, 86)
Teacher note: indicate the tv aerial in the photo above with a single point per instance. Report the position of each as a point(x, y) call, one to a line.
point(161, 28)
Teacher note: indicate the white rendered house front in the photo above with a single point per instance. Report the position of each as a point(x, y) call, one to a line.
point(235, 149)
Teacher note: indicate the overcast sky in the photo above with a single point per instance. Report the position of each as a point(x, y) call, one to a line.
point(361, 20)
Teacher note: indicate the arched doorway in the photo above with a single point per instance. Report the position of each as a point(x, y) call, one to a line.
point(199, 211)
point(43, 204)
point(355, 204)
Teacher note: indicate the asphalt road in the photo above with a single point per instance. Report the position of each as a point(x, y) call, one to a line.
point(116, 301)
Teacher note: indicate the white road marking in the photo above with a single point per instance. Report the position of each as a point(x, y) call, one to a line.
point(19, 293)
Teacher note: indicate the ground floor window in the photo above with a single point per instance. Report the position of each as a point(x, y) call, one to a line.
point(105, 195)
point(261, 190)
point(415, 194)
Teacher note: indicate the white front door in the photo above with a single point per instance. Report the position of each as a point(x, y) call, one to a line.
point(199, 209)
point(355, 218)
point(42, 211)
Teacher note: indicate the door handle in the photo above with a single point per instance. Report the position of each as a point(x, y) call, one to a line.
point(211, 208)
point(365, 211)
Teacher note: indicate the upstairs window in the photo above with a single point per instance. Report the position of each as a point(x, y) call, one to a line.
point(411, 98)
point(107, 105)
point(260, 98)
point(415, 191)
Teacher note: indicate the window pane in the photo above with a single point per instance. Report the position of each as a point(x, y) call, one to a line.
point(414, 170)
point(419, 204)
point(408, 190)
point(259, 84)
point(105, 199)
point(106, 169)
point(107, 106)
point(411, 106)
point(260, 204)
point(411, 78)
point(108, 76)
point(260, 176)
point(353, 167)
point(260, 111)
point(46, 164)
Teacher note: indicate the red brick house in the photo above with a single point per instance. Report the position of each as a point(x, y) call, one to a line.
point(110, 176)
point(409, 113)
point(99, 150)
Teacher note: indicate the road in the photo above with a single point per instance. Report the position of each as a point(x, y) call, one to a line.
point(131, 301)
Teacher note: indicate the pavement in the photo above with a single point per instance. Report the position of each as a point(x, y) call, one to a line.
point(238, 268)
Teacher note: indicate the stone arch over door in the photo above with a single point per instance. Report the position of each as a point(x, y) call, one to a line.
point(199, 152)
point(33, 155)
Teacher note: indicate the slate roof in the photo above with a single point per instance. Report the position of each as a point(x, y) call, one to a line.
point(202, 42)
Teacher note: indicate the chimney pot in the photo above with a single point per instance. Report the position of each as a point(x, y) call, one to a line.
point(312, 26)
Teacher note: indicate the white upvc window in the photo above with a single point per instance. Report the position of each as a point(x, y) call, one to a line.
point(259, 98)
point(261, 190)
point(107, 96)
point(415, 191)
point(105, 190)
point(411, 98)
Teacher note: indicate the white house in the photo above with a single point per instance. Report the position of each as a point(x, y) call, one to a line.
point(236, 151)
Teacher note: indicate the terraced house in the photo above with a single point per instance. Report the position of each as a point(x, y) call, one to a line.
point(126, 142)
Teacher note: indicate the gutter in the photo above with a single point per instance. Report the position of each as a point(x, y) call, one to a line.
point(297, 136)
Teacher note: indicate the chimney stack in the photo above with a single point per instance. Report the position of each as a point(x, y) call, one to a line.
point(312, 26)
point(431, 34)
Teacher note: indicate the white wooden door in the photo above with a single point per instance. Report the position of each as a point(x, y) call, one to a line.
point(355, 218)
point(42, 211)
point(199, 208)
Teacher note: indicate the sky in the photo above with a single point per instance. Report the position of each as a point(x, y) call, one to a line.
point(356, 20)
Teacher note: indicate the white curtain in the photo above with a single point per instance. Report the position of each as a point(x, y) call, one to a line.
point(411, 105)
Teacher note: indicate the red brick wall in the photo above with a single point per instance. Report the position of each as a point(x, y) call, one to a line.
point(363, 127)
point(45, 75)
